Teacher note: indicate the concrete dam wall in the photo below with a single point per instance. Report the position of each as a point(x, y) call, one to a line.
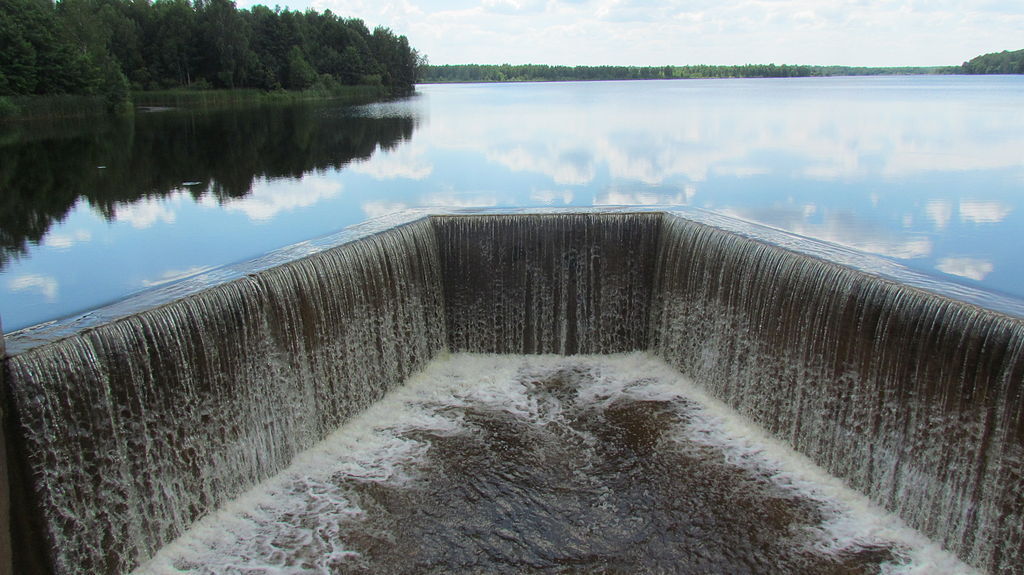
point(120, 434)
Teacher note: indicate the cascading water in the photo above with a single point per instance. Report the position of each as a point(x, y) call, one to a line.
point(135, 429)
point(131, 430)
point(913, 398)
point(511, 464)
point(558, 283)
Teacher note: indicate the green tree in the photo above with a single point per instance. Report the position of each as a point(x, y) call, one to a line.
point(36, 54)
point(171, 37)
point(224, 43)
point(17, 57)
point(115, 90)
point(1004, 62)
point(300, 74)
point(94, 46)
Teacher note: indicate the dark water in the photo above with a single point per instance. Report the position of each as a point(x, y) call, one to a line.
point(913, 399)
point(598, 488)
point(548, 466)
point(133, 430)
point(923, 171)
point(118, 190)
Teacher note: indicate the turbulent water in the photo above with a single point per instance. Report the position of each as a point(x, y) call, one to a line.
point(136, 425)
point(546, 464)
point(913, 398)
point(135, 429)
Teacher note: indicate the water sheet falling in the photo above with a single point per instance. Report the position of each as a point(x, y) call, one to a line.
point(913, 398)
point(549, 464)
point(137, 428)
point(129, 431)
point(555, 283)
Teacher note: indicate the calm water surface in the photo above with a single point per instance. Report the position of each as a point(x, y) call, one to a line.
point(926, 171)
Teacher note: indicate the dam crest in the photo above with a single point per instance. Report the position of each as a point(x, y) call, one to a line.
point(126, 426)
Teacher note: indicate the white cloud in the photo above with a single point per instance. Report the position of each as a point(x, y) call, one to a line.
point(382, 208)
point(577, 147)
point(984, 212)
point(269, 198)
point(971, 268)
point(406, 162)
point(644, 198)
point(64, 241)
point(740, 171)
point(551, 197)
point(639, 32)
point(145, 213)
point(513, 6)
point(894, 247)
point(459, 200)
point(47, 286)
point(567, 167)
point(838, 228)
point(174, 275)
point(574, 145)
point(939, 212)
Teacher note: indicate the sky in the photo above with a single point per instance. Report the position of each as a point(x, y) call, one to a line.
point(681, 32)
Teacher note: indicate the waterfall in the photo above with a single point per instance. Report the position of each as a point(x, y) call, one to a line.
point(135, 429)
point(126, 431)
point(913, 398)
point(552, 283)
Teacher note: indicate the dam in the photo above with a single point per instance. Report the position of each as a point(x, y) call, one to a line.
point(128, 428)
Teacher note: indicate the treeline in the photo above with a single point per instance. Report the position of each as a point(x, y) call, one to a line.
point(996, 63)
point(544, 73)
point(109, 47)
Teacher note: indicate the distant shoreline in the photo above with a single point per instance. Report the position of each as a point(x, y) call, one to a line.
point(541, 81)
point(500, 73)
point(1004, 62)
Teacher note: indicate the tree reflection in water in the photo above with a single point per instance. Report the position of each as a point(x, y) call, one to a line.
point(47, 169)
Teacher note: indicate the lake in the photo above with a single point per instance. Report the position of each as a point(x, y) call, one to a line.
point(926, 172)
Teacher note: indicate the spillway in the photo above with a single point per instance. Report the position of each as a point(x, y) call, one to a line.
point(126, 427)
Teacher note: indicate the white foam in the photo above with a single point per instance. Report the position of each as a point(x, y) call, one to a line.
point(852, 519)
point(296, 521)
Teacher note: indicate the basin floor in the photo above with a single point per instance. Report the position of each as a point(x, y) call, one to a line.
point(545, 464)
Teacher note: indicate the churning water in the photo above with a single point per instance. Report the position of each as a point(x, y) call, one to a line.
point(549, 464)
point(137, 422)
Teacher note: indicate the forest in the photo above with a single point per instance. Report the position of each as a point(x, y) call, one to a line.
point(114, 47)
point(111, 49)
point(543, 73)
point(996, 63)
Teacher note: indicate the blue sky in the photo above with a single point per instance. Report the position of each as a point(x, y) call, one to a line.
point(645, 32)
